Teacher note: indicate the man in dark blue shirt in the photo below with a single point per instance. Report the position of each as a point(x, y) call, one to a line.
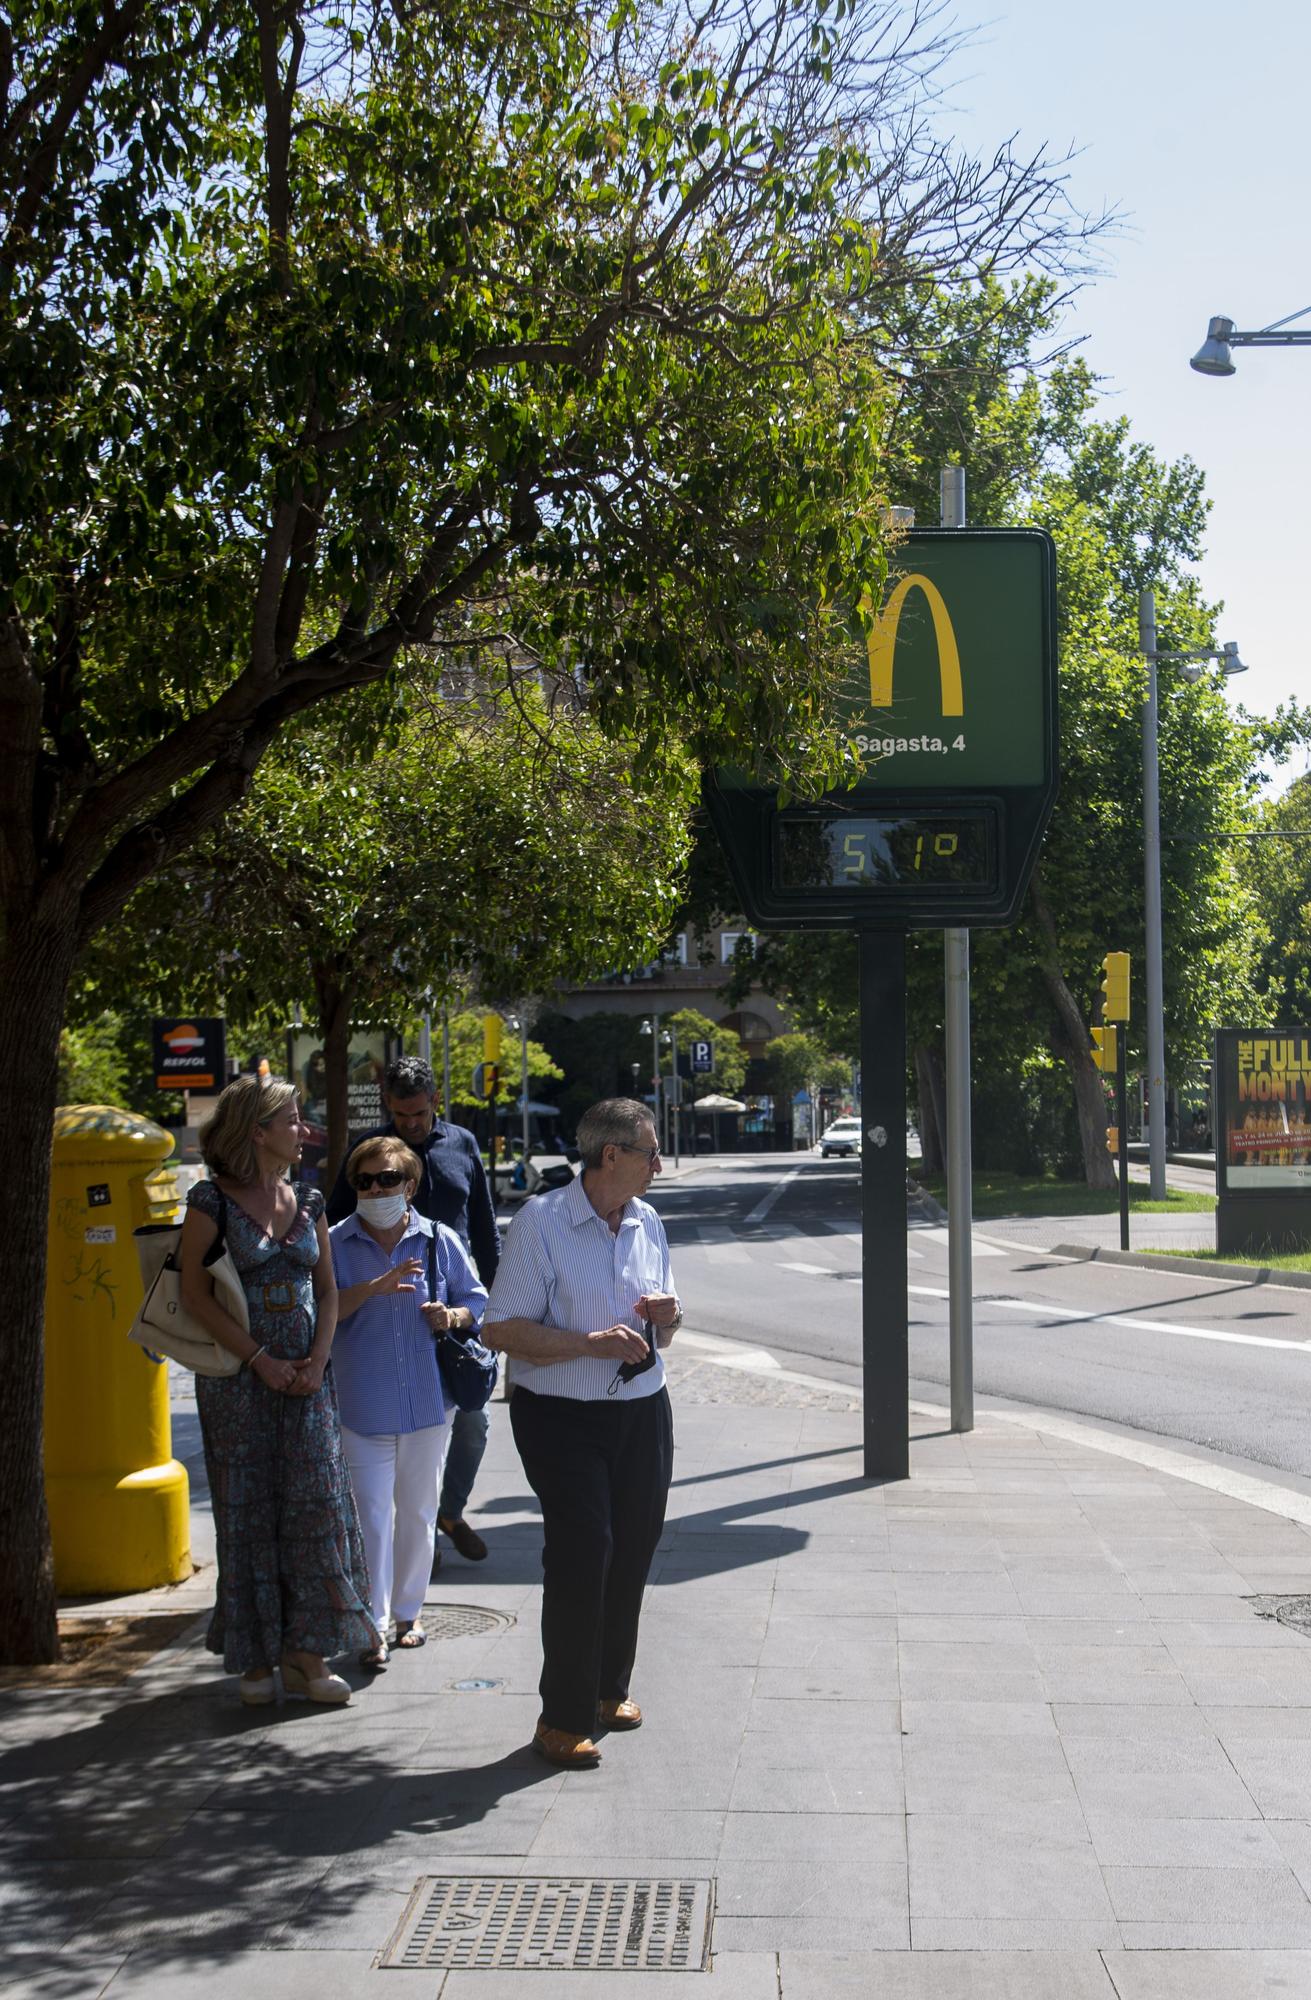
point(453, 1190)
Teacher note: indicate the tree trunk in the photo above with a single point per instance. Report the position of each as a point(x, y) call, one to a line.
point(931, 1091)
point(35, 967)
point(335, 1028)
point(1074, 1045)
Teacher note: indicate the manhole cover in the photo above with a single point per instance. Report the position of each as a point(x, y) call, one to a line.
point(461, 1621)
point(559, 1923)
point(474, 1687)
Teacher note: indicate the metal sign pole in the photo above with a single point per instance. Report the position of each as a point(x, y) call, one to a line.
point(1122, 1119)
point(523, 1051)
point(885, 1313)
point(1152, 905)
point(960, 1145)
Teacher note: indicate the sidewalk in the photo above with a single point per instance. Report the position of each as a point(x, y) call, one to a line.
point(1010, 1729)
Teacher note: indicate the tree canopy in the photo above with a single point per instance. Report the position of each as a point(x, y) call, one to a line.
point(1123, 520)
point(498, 854)
point(334, 333)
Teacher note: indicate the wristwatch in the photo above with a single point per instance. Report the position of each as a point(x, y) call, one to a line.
point(676, 1321)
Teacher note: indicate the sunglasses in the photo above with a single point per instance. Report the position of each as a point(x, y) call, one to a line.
point(649, 1153)
point(390, 1177)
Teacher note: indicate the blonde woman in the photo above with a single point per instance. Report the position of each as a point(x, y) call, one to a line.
point(293, 1584)
point(403, 1280)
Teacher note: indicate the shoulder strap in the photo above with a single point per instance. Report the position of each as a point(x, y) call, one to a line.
point(432, 1265)
point(222, 1236)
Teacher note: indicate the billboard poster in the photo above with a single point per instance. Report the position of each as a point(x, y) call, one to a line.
point(1264, 1079)
point(366, 1065)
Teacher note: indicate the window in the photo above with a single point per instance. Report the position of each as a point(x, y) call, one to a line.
point(728, 943)
point(675, 952)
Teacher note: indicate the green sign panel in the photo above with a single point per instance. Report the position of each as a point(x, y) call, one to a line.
point(951, 689)
point(951, 704)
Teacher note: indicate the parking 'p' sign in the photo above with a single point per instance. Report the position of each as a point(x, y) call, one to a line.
point(703, 1058)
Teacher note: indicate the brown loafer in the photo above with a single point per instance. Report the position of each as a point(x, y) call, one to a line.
point(463, 1539)
point(563, 1747)
point(621, 1715)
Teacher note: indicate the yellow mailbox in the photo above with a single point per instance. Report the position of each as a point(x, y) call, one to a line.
point(119, 1501)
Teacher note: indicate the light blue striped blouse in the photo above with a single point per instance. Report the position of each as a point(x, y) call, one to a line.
point(562, 1266)
point(384, 1357)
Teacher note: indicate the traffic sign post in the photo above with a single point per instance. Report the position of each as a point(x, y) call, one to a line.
point(951, 705)
point(1113, 1047)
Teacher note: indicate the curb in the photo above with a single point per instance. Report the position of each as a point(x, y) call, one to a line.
point(1163, 1260)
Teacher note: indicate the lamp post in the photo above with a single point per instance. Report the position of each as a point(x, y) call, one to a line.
point(1213, 357)
point(520, 1022)
point(1190, 667)
point(651, 1026)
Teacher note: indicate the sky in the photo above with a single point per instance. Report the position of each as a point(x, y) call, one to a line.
point(1191, 121)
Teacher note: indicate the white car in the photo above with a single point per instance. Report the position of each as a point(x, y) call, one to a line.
point(841, 1138)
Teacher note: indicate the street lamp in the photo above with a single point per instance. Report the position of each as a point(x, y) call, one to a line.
point(669, 1040)
point(1190, 666)
point(1213, 357)
point(518, 1024)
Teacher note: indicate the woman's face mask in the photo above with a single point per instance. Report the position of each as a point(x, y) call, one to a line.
point(383, 1211)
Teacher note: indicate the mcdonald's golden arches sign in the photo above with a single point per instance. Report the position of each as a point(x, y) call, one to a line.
point(952, 686)
point(951, 704)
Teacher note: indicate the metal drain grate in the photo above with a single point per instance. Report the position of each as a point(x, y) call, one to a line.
point(561, 1923)
point(461, 1621)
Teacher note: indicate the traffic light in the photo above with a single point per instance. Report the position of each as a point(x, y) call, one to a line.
point(1115, 986)
point(1105, 1052)
point(492, 1025)
point(1113, 1140)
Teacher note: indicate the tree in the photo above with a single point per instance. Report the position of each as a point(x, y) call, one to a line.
point(502, 854)
point(92, 1069)
point(727, 1055)
point(1122, 520)
point(330, 331)
point(602, 1055)
point(1276, 862)
point(466, 1030)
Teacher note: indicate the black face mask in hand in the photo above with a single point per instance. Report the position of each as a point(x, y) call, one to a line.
point(629, 1369)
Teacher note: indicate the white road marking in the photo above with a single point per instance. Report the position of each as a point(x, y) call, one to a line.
point(762, 1208)
point(730, 1354)
point(1135, 1325)
point(722, 1246)
point(827, 1271)
point(936, 1233)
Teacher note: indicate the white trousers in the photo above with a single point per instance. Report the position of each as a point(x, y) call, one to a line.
point(396, 1480)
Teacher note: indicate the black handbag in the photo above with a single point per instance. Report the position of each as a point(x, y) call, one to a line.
point(468, 1369)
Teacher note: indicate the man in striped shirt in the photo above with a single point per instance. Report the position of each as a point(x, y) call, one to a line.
point(584, 1273)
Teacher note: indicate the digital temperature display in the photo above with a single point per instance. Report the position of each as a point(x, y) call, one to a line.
point(902, 851)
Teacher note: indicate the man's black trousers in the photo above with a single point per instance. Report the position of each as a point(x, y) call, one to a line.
point(601, 1471)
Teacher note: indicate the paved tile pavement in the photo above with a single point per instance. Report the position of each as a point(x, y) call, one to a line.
point(1009, 1729)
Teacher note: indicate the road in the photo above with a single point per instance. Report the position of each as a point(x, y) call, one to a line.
point(767, 1252)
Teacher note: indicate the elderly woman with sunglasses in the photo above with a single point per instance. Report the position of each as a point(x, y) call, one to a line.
point(401, 1280)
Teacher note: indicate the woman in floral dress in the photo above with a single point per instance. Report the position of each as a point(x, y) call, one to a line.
point(293, 1584)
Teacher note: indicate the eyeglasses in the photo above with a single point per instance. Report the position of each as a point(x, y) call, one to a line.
point(652, 1152)
point(390, 1177)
